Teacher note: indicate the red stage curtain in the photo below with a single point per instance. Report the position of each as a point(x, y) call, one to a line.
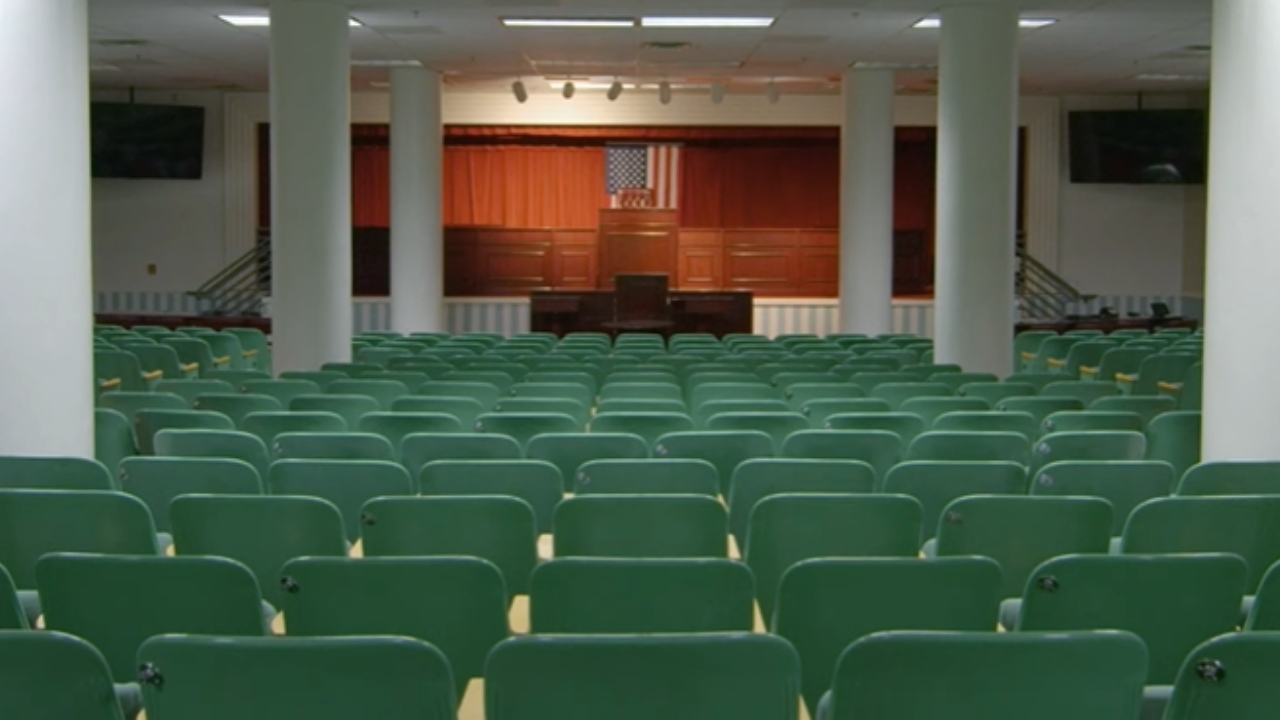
point(370, 186)
point(760, 187)
point(524, 187)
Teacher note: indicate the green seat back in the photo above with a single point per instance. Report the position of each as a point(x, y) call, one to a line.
point(117, 603)
point(786, 529)
point(777, 425)
point(111, 364)
point(1055, 347)
point(156, 481)
point(1086, 392)
point(151, 422)
point(270, 424)
point(237, 406)
point(496, 528)
point(195, 350)
point(348, 484)
point(1022, 532)
point(351, 408)
point(421, 448)
point(113, 439)
point(711, 408)
point(613, 390)
point(649, 425)
point(648, 476)
point(189, 390)
point(757, 479)
point(994, 676)
point(989, 421)
point(626, 405)
point(819, 411)
point(226, 349)
point(1087, 354)
point(616, 596)
point(130, 404)
point(409, 378)
point(498, 379)
point(903, 424)
point(237, 378)
point(569, 451)
point(931, 408)
point(878, 448)
point(333, 446)
point(971, 447)
point(523, 427)
point(565, 406)
point(801, 395)
point(286, 389)
point(958, 380)
point(385, 392)
point(1162, 367)
point(1121, 360)
point(215, 444)
point(936, 484)
point(1248, 526)
point(558, 390)
point(636, 526)
point(466, 410)
point(725, 450)
point(537, 483)
point(458, 604)
point(896, 393)
point(1249, 658)
point(1125, 484)
point(742, 676)
point(54, 473)
point(351, 369)
point(34, 668)
point(34, 523)
point(486, 394)
point(579, 377)
point(1174, 437)
point(390, 678)
point(263, 532)
point(1040, 407)
point(1133, 593)
point(1093, 421)
point(153, 357)
point(824, 605)
point(12, 615)
point(1265, 613)
point(1088, 445)
point(1231, 478)
point(396, 426)
point(1148, 406)
point(995, 392)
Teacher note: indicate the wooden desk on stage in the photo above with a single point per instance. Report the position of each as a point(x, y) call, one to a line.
point(718, 313)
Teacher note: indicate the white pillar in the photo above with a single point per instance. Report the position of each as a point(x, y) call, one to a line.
point(977, 138)
point(311, 183)
point(417, 222)
point(1241, 292)
point(46, 279)
point(866, 203)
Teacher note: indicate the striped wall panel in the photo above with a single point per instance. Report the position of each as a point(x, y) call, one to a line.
point(509, 316)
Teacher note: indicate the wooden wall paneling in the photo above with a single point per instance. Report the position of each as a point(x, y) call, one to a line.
point(513, 261)
point(459, 262)
point(763, 261)
point(819, 264)
point(700, 260)
point(575, 259)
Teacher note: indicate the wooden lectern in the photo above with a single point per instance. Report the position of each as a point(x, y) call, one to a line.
point(636, 240)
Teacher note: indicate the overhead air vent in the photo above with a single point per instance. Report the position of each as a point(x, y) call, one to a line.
point(666, 46)
point(120, 42)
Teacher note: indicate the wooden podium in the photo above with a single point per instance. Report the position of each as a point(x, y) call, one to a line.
point(636, 240)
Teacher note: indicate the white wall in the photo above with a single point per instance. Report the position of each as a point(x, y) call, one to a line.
point(175, 224)
point(1131, 239)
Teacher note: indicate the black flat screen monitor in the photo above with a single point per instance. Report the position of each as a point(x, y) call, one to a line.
point(1139, 147)
point(147, 141)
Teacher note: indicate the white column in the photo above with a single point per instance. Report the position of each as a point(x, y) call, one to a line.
point(417, 222)
point(311, 183)
point(866, 203)
point(46, 279)
point(1241, 292)
point(977, 137)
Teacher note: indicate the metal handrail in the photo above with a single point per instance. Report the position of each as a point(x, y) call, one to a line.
point(239, 288)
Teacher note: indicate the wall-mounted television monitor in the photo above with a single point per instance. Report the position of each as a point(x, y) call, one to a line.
point(1139, 147)
point(147, 141)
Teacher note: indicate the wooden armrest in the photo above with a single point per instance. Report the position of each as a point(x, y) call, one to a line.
point(112, 384)
point(1028, 356)
point(1122, 378)
point(1169, 387)
point(250, 354)
point(190, 367)
point(1090, 371)
point(224, 360)
point(1056, 362)
point(153, 375)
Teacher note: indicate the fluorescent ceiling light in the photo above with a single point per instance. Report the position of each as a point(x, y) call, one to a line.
point(570, 22)
point(386, 63)
point(933, 23)
point(707, 22)
point(263, 20)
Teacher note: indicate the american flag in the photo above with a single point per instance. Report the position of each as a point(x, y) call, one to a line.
point(643, 176)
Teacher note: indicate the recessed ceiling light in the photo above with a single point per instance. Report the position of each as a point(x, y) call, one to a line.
point(569, 22)
point(263, 20)
point(707, 22)
point(933, 23)
point(1170, 77)
point(386, 63)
